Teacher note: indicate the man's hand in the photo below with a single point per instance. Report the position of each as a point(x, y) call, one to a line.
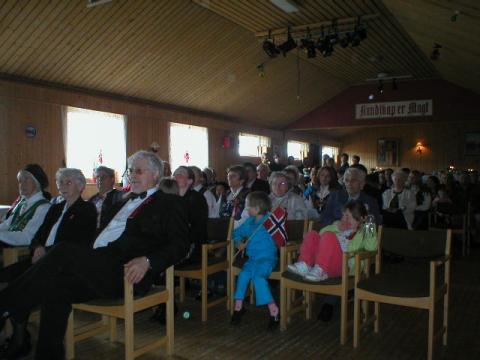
point(242, 246)
point(38, 253)
point(136, 269)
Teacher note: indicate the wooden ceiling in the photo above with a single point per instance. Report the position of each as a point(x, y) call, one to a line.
point(203, 55)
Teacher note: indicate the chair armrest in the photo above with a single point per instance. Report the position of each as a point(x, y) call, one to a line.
point(292, 246)
point(442, 260)
point(361, 255)
point(216, 245)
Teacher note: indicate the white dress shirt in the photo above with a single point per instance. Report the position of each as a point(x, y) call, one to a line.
point(24, 237)
point(116, 226)
point(53, 231)
point(213, 208)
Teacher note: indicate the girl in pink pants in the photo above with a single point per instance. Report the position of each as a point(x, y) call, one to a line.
point(321, 253)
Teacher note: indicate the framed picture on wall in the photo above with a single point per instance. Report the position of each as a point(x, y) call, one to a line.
point(472, 143)
point(388, 152)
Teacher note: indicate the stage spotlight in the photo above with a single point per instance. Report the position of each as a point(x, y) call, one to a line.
point(380, 86)
point(270, 49)
point(325, 47)
point(288, 45)
point(345, 41)
point(309, 46)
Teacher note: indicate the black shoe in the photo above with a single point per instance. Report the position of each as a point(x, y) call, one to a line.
point(198, 297)
point(159, 314)
point(17, 349)
point(237, 316)
point(274, 322)
point(326, 313)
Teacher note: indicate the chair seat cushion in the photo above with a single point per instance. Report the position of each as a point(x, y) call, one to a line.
point(400, 280)
point(295, 277)
point(119, 301)
point(212, 260)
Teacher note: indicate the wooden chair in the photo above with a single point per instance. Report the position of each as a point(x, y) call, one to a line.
point(339, 286)
point(12, 254)
point(416, 282)
point(460, 225)
point(219, 232)
point(125, 309)
point(295, 231)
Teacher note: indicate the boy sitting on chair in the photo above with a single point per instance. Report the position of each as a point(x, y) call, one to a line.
point(262, 258)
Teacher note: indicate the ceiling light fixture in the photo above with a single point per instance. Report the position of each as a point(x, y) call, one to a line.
point(286, 5)
point(270, 48)
point(380, 86)
point(288, 45)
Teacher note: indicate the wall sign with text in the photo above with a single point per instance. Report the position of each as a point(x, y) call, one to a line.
point(394, 109)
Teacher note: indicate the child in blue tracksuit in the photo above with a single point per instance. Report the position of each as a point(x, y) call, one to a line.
point(262, 258)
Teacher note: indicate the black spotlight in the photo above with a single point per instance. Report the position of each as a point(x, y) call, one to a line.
point(270, 49)
point(309, 46)
point(325, 47)
point(288, 45)
point(380, 86)
point(345, 41)
point(394, 84)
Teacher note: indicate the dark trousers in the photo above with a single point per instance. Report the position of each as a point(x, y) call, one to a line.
point(12, 272)
point(68, 274)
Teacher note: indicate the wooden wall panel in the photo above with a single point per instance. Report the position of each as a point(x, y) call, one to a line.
point(445, 143)
point(22, 104)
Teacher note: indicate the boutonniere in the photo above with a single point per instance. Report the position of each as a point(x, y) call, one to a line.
point(71, 216)
point(148, 200)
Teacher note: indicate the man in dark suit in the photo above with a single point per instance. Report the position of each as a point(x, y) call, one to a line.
point(354, 181)
point(107, 195)
point(253, 182)
point(147, 234)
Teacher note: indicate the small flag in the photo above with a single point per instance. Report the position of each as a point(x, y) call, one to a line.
point(186, 156)
point(276, 225)
point(100, 157)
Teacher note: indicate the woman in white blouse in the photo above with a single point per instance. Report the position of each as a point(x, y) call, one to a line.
point(399, 203)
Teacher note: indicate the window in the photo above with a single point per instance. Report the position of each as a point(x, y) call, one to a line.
point(330, 151)
point(252, 145)
point(188, 146)
point(95, 138)
point(299, 150)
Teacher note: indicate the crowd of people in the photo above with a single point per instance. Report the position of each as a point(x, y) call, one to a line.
point(160, 219)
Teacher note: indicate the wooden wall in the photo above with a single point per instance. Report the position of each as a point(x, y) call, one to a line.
point(444, 142)
point(41, 106)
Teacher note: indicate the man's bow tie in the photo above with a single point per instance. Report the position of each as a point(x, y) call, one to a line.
point(134, 196)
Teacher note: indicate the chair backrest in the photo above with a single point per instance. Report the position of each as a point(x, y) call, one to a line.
point(218, 229)
point(315, 225)
point(295, 230)
point(416, 244)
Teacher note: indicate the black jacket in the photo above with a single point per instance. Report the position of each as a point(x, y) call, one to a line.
point(78, 224)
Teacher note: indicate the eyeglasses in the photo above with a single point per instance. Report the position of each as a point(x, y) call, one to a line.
point(136, 171)
point(64, 183)
point(281, 183)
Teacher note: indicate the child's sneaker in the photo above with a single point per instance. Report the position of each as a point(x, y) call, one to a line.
point(316, 274)
point(274, 322)
point(300, 267)
point(237, 316)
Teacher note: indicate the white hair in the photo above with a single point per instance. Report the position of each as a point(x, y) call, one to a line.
point(71, 173)
point(154, 162)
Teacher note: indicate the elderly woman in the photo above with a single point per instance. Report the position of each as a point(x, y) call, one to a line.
point(72, 220)
point(399, 203)
point(316, 194)
point(233, 203)
point(107, 195)
point(282, 195)
point(28, 212)
point(197, 210)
